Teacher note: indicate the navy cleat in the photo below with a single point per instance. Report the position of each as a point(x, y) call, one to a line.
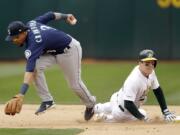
point(47, 105)
point(89, 112)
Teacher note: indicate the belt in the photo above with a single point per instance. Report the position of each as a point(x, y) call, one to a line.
point(121, 108)
point(58, 51)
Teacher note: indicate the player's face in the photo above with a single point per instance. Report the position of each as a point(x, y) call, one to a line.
point(147, 67)
point(19, 39)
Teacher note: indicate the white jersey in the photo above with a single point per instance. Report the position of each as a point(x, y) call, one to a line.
point(136, 87)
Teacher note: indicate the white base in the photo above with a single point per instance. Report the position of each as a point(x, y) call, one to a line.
point(177, 118)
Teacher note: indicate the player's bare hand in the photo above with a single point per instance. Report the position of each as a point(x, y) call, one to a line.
point(71, 19)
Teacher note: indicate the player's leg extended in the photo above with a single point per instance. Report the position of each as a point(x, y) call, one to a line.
point(40, 81)
point(107, 107)
point(110, 111)
point(103, 108)
point(104, 111)
point(70, 63)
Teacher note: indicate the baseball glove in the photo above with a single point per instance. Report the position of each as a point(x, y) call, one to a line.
point(14, 105)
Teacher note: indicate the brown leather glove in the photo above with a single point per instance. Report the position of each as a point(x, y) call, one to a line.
point(14, 105)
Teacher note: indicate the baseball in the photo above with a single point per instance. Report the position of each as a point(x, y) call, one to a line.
point(73, 22)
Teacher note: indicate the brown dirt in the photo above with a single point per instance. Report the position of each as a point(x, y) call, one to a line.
point(71, 116)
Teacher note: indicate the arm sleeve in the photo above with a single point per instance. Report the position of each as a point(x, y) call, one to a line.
point(30, 65)
point(160, 97)
point(130, 106)
point(59, 16)
point(44, 19)
point(31, 60)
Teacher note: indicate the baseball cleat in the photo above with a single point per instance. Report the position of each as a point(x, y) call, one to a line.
point(45, 106)
point(89, 112)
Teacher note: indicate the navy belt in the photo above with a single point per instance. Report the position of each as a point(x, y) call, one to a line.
point(57, 51)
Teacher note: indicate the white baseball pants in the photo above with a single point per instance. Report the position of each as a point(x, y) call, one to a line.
point(110, 111)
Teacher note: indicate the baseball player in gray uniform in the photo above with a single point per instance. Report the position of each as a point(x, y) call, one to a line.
point(125, 104)
point(46, 46)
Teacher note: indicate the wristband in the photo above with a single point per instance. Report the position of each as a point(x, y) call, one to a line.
point(64, 16)
point(24, 88)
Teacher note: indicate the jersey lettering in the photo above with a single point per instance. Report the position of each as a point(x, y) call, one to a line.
point(43, 27)
point(35, 31)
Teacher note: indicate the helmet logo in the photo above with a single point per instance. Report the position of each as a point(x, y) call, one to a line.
point(150, 55)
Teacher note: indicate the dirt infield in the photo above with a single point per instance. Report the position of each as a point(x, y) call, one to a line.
point(71, 116)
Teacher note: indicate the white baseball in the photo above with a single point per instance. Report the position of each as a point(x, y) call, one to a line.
point(73, 22)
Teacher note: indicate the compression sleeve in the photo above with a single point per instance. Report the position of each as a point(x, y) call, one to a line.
point(131, 107)
point(160, 97)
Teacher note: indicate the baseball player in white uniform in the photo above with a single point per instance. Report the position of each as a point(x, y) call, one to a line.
point(125, 104)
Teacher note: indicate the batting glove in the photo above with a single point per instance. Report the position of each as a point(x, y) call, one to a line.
point(169, 116)
point(146, 119)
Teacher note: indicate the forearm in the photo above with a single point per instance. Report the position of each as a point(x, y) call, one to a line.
point(160, 97)
point(28, 77)
point(59, 16)
point(130, 106)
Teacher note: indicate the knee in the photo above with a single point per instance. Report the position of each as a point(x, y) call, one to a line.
point(39, 68)
point(75, 86)
point(98, 108)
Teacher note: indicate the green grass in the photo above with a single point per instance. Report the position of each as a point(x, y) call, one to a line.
point(29, 131)
point(102, 79)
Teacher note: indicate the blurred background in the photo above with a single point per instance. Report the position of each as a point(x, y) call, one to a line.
point(107, 30)
point(116, 29)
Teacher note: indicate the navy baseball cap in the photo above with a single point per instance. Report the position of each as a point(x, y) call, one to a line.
point(15, 28)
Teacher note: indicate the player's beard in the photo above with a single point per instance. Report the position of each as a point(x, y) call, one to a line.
point(21, 45)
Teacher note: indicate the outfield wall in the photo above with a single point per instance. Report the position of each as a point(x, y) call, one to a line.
point(106, 29)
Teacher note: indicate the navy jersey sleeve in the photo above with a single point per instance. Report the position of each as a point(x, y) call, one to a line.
point(32, 54)
point(44, 19)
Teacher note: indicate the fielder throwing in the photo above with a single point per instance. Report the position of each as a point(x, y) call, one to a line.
point(46, 46)
point(125, 104)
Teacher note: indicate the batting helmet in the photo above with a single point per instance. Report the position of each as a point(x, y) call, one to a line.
point(15, 28)
point(147, 55)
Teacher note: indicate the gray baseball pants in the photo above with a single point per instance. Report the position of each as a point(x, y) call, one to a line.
point(70, 63)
